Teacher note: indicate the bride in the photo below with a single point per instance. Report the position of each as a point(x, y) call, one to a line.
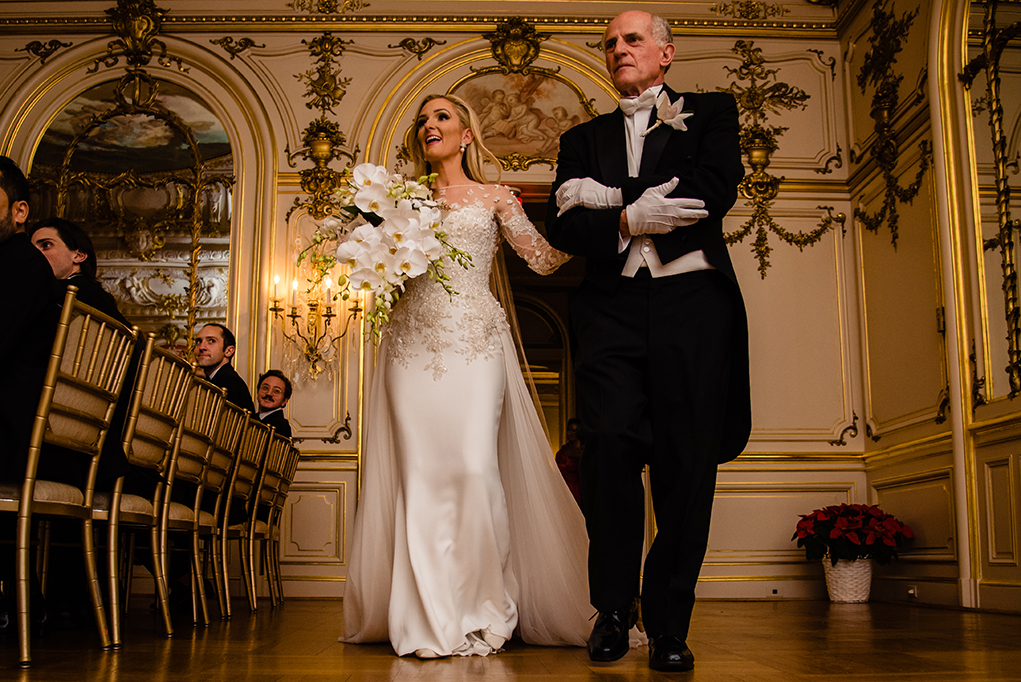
point(465, 531)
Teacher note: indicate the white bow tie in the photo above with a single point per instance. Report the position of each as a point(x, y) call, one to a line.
point(630, 105)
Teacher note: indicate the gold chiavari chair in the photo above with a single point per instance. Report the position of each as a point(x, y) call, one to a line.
point(271, 543)
point(90, 356)
point(216, 483)
point(257, 530)
point(150, 434)
point(251, 457)
point(194, 450)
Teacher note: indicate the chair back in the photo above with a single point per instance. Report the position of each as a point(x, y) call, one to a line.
point(157, 404)
point(290, 469)
point(251, 458)
point(275, 469)
point(231, 423)
point(90, 357)
point(199, 425)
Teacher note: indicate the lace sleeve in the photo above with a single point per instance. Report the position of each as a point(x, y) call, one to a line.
point(526, 241)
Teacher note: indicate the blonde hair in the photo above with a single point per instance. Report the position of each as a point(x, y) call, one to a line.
point(475, 154)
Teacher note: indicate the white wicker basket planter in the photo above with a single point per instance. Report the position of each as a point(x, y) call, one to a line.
point(849, 582)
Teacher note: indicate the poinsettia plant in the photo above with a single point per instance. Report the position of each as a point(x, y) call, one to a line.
point(851, 531)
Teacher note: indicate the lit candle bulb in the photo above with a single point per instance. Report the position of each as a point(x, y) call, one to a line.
point(329, 287)
point(294, 292)
point(276, 281)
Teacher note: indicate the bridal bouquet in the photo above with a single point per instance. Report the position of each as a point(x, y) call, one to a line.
point(388, 232)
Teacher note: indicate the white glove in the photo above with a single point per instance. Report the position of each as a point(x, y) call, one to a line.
point(654, 213)
point(588, 193)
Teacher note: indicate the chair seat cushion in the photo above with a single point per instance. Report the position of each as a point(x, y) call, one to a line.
point(260, 526)
point(180, 512)
point(45, 491)
point(132, 504)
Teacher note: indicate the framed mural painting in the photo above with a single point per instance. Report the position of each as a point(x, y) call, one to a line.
point(522, 115)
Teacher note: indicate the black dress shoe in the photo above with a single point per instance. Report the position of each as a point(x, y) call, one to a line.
point(670, 654)
point(609, 638)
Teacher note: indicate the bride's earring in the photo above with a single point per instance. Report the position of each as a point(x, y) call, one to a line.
point(463, 147)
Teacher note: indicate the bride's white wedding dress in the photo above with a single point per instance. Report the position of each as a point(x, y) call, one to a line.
point(465, 529)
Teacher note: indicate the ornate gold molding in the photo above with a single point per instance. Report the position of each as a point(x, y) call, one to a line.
point(323, 139)
point(136, 23)
point(993, 43)
point(38, 49)
point(887, 35)
point(327, 6)
point(749, 9)
point(456, 24)
point(836, 159)
point(763, 95)
point(418, 48)
point(234, 49)
point(849, 430)
point(978, 384)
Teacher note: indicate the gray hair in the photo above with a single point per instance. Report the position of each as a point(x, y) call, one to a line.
point(661, 31)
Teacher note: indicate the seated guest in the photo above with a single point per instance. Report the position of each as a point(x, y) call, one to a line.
point(72, 256)
point(274, 392)
point(30, 310)
point(214, 347)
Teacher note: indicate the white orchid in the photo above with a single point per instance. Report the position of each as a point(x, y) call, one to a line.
point(390, 233)
point(366, 175)
point(669, 113)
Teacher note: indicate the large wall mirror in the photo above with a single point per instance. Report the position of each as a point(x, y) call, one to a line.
point(146, 168)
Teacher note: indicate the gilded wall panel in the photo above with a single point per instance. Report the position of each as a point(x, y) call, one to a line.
point(925, 501)
point(753, 522)
point(903, 320)
point(802, 356)
point(908, 49)
point(1001, 512)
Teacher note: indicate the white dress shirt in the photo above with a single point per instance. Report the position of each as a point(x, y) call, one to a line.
point(642, 252)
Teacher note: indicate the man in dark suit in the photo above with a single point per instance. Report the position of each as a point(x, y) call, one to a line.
point(273, 393)
point(29, 313)
point(214, 347)
point(660, 333)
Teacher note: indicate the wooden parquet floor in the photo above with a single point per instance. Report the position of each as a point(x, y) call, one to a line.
point(732, 641)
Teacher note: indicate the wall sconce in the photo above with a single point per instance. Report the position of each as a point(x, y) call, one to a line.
point(312, 329)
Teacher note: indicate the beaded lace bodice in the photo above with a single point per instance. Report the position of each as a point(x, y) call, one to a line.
point(468, 324)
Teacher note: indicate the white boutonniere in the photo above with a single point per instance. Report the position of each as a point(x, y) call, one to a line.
point(670, 114)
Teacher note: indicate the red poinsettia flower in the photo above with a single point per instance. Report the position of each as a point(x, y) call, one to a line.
point(851, 531)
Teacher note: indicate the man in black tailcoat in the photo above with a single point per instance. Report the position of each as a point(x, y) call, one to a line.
point(273, 392)
point(214, 347)
point(660, 333)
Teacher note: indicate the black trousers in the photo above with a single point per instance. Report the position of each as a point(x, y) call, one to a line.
point(652, 365)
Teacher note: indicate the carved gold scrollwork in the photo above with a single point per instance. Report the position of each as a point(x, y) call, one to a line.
point(993, 43)
point(322, 138)
point(44, 52)
point(137, 23)
point(978, 384)
point(344, 428)
point(887, 35)
point(832, 63)
point(849, 430)
point(234, 49)
point(327, 6)
point(325, 88)
point(836, 159)
point(418, 48)
point(519, 162)
point(944, 405)
point(749, 9)
point(515, 45)
point(323, 141)
point(762, 95)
